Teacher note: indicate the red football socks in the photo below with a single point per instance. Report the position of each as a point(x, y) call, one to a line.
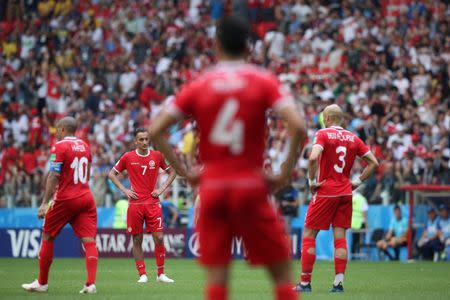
point(160, 252)
point(339, 263)
point(45, 261)
point(308, 259)
point(285, 292)
point(216, 292)
point(91, 262)
point(140, 267)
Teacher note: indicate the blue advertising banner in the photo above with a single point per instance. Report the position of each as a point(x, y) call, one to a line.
point(25, 243)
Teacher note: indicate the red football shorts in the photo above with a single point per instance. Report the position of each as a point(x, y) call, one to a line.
point(150, 214)
point(80, 213)
point(326, 211)
point(239, 207)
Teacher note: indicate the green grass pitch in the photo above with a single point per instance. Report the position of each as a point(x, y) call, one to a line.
point(116, 279)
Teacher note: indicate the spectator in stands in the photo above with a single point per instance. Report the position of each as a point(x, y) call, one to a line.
point(429, 243)
point(396, 236)
point(359, 221)
point(288, 201)
point(444, 226)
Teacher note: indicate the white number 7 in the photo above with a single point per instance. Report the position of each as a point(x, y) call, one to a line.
point(145, 169)
point(160, 222)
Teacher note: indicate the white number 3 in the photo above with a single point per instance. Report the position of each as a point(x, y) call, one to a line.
point(228, 131)
point(343, 152)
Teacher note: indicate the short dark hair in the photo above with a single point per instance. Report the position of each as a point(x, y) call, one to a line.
point(396, 206)
point(139, 130)
point(233, 33)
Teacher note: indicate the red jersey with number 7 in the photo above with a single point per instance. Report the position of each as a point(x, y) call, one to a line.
point(340, 148)
point(70, 158)
point(143, 173)
point(230, 102)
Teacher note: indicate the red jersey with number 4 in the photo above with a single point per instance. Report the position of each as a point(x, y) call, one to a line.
point(229, 103)
point(340, 149)
point(143, 173)
point(70, 158)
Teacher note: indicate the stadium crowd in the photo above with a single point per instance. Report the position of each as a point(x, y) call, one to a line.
point(114, 64)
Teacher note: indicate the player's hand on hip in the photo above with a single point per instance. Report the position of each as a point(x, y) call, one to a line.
point(130, 194)
point(156, 193)
point(42, 210)
point(277, 182)
point(193, 177)
point(314, 186)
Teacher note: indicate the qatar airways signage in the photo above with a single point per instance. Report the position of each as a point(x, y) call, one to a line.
point(117, 243)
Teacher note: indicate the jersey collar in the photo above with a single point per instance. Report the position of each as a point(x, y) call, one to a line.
point(148, 153)
point(70, 138)
point(337, 127)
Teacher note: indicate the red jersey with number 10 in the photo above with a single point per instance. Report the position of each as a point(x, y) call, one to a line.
point(70, 158)
point(143, 173)
point(340, 149)
point(229, 103)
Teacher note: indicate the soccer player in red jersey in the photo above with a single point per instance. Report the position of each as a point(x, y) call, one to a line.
point(143, 167)
point(330, 162)
point(229, 103)
point(73, 203)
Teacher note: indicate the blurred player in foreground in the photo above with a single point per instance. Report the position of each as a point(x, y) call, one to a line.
point(73, 203)
point(229, 103)
point(330, 162)
point(143, 167)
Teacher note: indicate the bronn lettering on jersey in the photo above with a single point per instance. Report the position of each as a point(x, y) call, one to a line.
point(340, 136)
point(228, 84)
point(78, 148)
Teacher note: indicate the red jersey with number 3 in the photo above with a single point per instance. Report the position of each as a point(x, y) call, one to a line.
point(229, 103)
point(340, 149)
point(70, 158)
point(143, 173)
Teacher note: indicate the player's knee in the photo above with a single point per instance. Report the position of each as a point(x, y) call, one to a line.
point(311, 250)
point(137, 239)
point(47, 237)
point(340, 253)
point(159, 239)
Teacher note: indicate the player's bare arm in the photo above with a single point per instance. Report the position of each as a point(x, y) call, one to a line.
point(50, 186)
point(156, 130)
point(372, 165)
point(113, 175)
point(166, 184)
point(312, 167)
point(297, 130)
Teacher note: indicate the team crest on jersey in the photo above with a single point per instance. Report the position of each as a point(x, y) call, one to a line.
point(152, 164)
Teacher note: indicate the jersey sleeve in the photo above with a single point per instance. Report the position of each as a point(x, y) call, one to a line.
point(57, 158)
point(363, 150)
point(163, 164)
point(319, 139)
point(278, 96)
point(121, 165)
point(182, 105)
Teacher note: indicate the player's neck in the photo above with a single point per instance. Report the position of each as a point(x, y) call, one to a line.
point(225, 58)
point(143, 152)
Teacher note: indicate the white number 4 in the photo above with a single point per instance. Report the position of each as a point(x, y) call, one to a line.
point(227, 131)
point(343, 152)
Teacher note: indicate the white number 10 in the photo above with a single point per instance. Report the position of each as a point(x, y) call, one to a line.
point(79, 167)
point(228, 131)
point(343, 152)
